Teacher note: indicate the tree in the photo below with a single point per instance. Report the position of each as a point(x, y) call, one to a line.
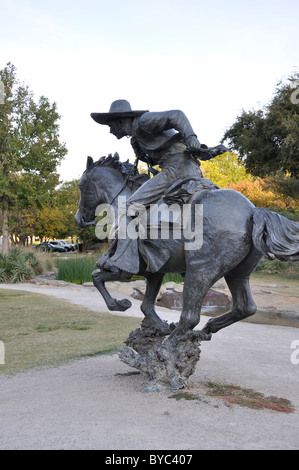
point(66, 198)
point(22, 223)
point(50, 222)
point(286, 185)
point(267, 140)
point(30, 150)
point(224, 169)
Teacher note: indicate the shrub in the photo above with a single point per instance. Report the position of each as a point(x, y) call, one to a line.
point(18, 266)
point(275, 266)
point(76, 269)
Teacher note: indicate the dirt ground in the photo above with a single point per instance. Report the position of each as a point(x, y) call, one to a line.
point(96, 404)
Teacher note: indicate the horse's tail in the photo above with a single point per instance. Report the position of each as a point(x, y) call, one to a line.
point(276, 235)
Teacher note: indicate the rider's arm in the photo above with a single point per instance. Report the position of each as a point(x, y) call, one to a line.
point(157, 122)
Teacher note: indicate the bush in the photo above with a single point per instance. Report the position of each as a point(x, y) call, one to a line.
point(18, 266)
point(275, 266)
point(76, 269)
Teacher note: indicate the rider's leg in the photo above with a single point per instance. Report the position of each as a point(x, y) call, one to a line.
point(126, 256)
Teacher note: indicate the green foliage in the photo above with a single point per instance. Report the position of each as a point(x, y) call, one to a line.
point(225, 169)
point(29, 142)
point(278, 267)
point(267, 140)
point(77, 269)
point(173, 277)
point(30, 150)
point(18, 266)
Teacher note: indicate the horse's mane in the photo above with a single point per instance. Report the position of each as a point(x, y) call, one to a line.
point(126, 168)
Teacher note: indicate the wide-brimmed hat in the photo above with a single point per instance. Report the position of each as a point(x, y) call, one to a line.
point(118, 109)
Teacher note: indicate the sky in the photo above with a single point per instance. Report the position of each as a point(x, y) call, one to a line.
point(209, 58)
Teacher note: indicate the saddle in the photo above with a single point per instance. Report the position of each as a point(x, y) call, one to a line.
point(182, 190)
point(155, 253)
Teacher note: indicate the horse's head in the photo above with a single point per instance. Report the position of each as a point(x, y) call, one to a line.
point(102, 182)
point(88, 200)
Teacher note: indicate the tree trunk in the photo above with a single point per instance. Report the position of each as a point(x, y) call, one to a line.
point(5, 228)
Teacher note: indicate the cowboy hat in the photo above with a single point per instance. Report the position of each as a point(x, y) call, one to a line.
point(118, 109)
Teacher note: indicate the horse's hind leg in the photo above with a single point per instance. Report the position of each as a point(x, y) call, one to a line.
point(153, 285)
point(243, 303)
point(243, 306)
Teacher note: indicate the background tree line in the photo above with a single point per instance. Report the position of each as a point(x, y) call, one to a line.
point(263, 163)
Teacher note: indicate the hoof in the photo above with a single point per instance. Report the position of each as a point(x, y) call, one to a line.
point(154, 325)
point(165, 329)
point(205, 336)
point(197, 335)
point(181, 335)
point(120, 305)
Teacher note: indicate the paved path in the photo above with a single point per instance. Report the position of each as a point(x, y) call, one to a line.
point(86, 404)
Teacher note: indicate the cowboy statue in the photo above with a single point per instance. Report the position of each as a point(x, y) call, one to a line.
point(165, 139)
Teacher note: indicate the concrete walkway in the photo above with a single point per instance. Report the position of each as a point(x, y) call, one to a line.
point(91, 404)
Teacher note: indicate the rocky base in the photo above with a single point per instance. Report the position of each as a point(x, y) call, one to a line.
point(167, 362)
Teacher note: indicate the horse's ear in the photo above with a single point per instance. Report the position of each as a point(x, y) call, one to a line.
point(116, 156)
point(89, 163)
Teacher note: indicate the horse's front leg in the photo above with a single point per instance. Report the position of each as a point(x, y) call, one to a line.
point(153, 285)
point(99, 278)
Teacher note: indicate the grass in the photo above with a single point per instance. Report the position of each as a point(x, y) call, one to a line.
point(281, 283)
point(78, 269)
point(235, 395)
point(247, 397)
point(38, 330)
point(285, 268)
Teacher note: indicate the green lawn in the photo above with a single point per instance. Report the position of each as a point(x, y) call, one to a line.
point(38, 330)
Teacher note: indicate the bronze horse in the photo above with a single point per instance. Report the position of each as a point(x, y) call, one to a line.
point(236, 235)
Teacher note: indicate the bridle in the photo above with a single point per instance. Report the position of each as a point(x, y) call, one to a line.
point(94, 187)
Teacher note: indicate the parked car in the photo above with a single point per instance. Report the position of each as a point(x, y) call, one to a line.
point(69, 246)
point(65, 245)
point(51, 246)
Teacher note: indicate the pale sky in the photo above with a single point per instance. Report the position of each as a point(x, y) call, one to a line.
point(209, 58)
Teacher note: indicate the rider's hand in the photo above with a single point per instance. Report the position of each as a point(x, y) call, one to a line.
point(193, 143)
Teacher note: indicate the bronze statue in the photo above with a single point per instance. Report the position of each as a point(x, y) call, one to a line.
point(234, 235)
